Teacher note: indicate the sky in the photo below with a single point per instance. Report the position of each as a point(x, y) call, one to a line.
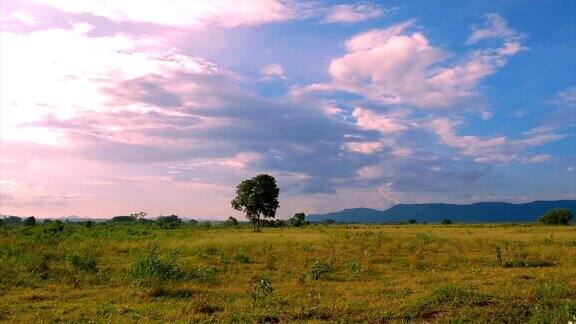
point(109, 107)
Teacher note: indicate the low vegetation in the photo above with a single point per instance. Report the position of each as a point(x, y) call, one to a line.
point(174, 270)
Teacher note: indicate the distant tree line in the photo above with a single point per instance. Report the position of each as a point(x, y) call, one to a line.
point(258, 199)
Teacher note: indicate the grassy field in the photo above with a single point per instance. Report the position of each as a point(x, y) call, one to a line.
point(368, 273)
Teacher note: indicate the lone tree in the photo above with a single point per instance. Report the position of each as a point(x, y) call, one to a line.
point(30, 221)
point(298, 219)
point(231, 221)
point(257, 197)
point(556, 216)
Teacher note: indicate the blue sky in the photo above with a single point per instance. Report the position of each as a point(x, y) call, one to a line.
point(111, 107)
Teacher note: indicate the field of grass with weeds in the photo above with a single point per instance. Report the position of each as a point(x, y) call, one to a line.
point(367, 273)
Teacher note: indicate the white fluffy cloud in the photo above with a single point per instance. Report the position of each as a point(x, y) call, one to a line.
point(566, 98)
point(363, 147)
point(394, 66)
point(494, 27)
point(494, 149)
point(385, 124)
point(351, 13)
point(272, 71)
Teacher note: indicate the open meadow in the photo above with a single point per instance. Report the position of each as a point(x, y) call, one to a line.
point(367, 273)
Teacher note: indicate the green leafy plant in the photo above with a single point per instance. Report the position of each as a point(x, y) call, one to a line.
point(319, 270)
point(556, 216)
point(85, 261)
point(262, 288)
point(152, 266)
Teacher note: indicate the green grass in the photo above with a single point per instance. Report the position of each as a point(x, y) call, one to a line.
point(359, 273)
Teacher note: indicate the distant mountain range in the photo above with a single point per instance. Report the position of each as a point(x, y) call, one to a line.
point(482, 212)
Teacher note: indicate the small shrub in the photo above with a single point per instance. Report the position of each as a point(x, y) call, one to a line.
point(548, 292)
point(520, 263)
point(207, 275)
point(153, 267)
point(319, 270)
point(39, 266)
point(262, 288)
point(242, 258)
point(355, 268)
point(498, 252)
point(450, 295)
point(305, 247)
point(446, 222)
point(86, 262)
point(209, 251)
point(424, 238)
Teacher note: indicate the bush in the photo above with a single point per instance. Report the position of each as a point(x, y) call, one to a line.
point(272, 223)
point(446, 222)
point(446, 295)
point(171, 221)
point(242, 258)
point(557, 216)
point(153, 267)
point(262, 288)
point(231, 221)
point(12, 220)
point(86, 262)
point(297, 220)
point(355, 268)
point(123, 219)
point(329, 222)
point(519, 263)
point(319, 270)
point(30, 221)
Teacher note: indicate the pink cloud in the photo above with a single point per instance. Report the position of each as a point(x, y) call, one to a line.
point(363, 147)
point(182, 13)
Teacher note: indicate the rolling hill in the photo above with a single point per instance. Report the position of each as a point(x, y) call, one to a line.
point(481, 212)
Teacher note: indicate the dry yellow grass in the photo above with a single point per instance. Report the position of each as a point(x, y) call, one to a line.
point(369, 273)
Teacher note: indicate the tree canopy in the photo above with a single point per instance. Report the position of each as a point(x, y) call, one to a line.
point(298, 219)
point(556, 216)
point(257, 197)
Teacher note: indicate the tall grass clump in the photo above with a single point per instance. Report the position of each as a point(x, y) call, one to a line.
point(86, 262)
point(319, 270)
point(151, 267)
point(446, 297)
